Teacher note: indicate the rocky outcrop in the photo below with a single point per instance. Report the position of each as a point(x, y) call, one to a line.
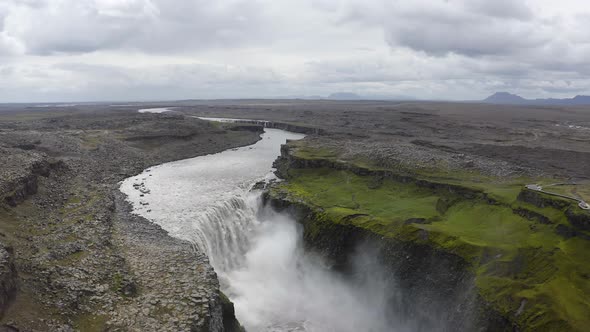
point(579, 219)
point(21, 172)
point(178, 289)
point(285, 126)
point(19, 188)
point(253, 127)
point(8, 281)
point(541, 200)
point(531, 215)
point(230, 323)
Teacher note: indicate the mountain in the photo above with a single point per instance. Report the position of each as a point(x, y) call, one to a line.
point(581, 100)
point(507, 98)
point(344, 96)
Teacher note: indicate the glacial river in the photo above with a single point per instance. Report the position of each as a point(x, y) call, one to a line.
point(256, 252)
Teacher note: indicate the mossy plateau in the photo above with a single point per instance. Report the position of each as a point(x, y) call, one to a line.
point(525, 267)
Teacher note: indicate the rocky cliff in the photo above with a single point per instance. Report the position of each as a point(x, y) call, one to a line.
point(19, 174)
point(479, 255)
point(8, 278)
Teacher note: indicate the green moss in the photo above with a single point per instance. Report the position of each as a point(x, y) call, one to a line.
point(78, 207)
point(117, 282)
point(485, 225)
point(91, 139)
point(523, 268)
point(91, 323)
point(73, 258)
point(343, 192)
point(305, 152)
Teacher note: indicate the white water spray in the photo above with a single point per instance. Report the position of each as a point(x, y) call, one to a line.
point(257, 253)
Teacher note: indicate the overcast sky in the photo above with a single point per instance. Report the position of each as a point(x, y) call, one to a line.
point(90, 50)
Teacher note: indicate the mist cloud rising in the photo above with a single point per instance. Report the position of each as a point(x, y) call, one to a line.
point(171, 49)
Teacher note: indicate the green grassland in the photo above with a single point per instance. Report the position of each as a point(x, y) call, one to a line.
point(523, 267)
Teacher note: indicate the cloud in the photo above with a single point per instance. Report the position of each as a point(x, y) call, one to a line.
point(8, 45)
point(467, 27)
point(81, 81)
point(146, 49)
point(162, 26)
point(506, 9)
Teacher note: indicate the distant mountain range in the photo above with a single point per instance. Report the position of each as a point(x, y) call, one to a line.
point(333, 96)
point(350, 96)
point(345, 96)
point(512, 99)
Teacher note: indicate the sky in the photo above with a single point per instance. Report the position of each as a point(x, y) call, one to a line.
point(97, 50)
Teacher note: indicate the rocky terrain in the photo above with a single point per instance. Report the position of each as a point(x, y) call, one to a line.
point(73, 257)
point(418, 175)
point(536, 140)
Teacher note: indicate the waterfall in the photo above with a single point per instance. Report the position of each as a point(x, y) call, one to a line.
point(257, 252)
point(223, 231)
point(275, 284)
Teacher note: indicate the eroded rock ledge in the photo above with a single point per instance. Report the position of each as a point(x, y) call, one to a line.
point(174, 288)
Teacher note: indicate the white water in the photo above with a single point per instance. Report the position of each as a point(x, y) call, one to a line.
point(257, 253)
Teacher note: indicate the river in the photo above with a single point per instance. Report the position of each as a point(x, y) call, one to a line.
point(257, 253)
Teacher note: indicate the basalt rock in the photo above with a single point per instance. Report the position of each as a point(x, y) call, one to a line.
point(578, 219)
point(286, 126)
point(19, 188)
point(541, 200)
point(8, 283)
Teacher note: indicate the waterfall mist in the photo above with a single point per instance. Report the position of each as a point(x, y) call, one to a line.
point(278, 286)
point(258, 253)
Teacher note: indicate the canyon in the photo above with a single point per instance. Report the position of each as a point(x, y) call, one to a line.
point(429, 199)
